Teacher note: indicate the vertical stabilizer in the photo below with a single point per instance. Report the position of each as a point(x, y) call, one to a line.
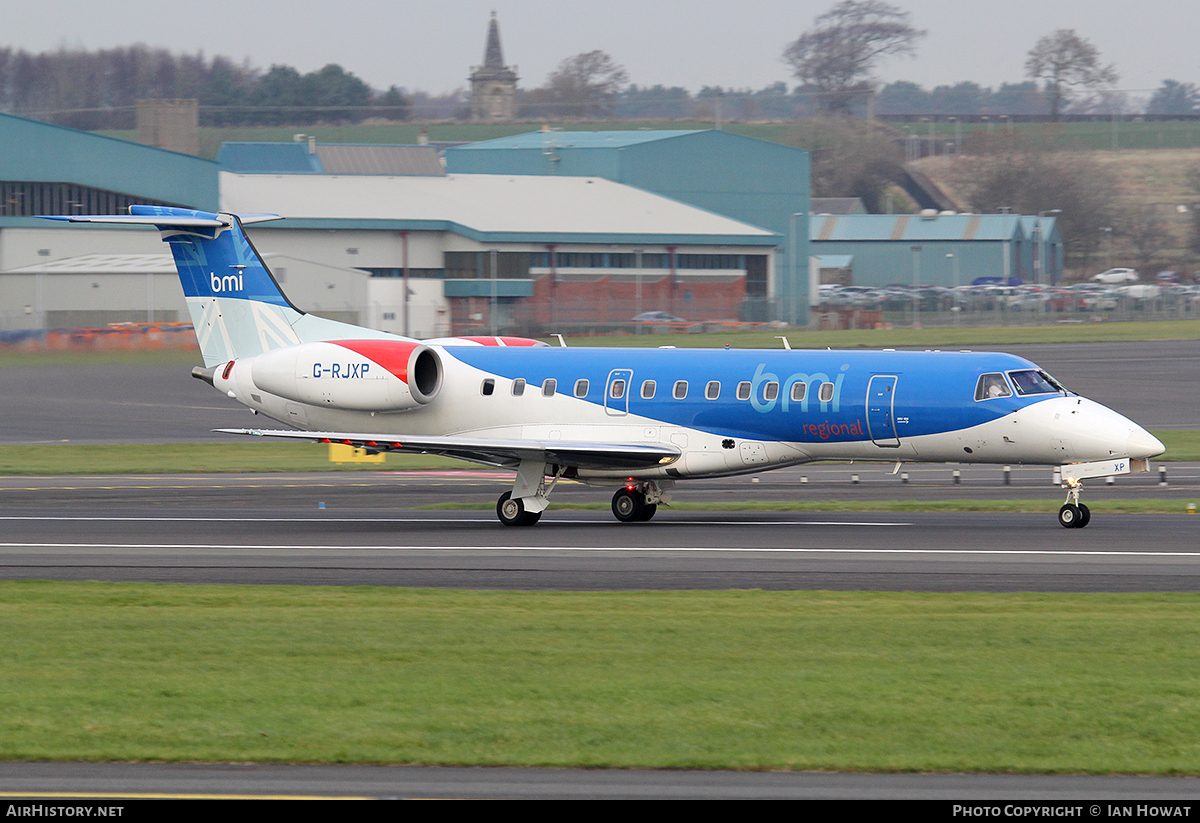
point(236, 306)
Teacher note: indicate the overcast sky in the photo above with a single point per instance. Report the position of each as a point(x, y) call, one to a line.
point(689, 43)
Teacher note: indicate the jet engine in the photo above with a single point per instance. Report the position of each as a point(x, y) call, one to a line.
point(355, 375)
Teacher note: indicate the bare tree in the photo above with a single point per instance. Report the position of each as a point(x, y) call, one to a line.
point(838, 55)
point(1063, 60)
point(1147, 232)
point(1173, 97)
point(583, 85)
point(1028, 180)
point(850, 158)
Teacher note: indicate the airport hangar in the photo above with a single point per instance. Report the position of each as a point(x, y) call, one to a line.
point(345, 262)
point(932, 248)
point(358, 215)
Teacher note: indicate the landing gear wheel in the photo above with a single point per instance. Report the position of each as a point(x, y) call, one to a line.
point(648, 511)
point(511, 511)
point(1071, 517)
point(629, 506)
point(1085, 516)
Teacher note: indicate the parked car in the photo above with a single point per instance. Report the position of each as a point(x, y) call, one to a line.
point(657, 317)
point(1140, 291)
point(1116, 276)
point(1095, 297)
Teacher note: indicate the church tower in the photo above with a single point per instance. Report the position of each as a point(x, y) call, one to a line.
point(493, 85)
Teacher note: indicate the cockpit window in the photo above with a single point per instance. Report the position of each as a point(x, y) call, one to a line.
point(1031, 381)
point(992, 385)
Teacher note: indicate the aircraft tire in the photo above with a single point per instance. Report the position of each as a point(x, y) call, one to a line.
point(648, 511)
point(627, 506)
point(511, 512)
point(1085, 516)
point(1070, 517)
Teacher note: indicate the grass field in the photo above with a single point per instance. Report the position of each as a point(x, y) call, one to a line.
point(257, 456)
point(734, 679)
point(993, 337)
point(191, 458)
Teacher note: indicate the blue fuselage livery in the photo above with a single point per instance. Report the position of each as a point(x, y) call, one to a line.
point(641, 419)
point(933, 392)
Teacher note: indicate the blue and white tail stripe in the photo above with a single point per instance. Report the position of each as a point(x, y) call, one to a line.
point(236, 306)
point(216, 261)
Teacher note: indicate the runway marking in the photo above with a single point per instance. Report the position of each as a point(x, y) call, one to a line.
point(613, 549)
point(479, 517)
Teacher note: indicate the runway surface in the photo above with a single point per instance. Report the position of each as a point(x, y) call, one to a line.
point(367, 529)
point(42, 779)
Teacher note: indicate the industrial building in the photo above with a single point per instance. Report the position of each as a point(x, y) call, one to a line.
point(936, 249)
point(753, 181)
point(542, 232)
point(377, 235)
point(47, 169)
point(534, 253)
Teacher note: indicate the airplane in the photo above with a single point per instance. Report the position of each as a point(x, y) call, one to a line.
point(639, 419)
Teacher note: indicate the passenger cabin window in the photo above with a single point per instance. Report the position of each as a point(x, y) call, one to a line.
point(1032, 381)
point(518, 387)
point(798, 391)
point(488, 387)
point(581, 388)
point(825, 393)
point(616, 389)
point(549, 387)
point(680, 391)
point(743, 391)
point(648, 387)
point(713, 390)
point(771, 391)
point(992, 385)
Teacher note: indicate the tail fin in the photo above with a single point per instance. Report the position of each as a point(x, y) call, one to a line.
point(236, 305)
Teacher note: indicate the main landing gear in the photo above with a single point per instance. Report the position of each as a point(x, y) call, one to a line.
point(630, 506)
point(511, 511)
point(1073, 514)
point(523, 506)
point(637, 502)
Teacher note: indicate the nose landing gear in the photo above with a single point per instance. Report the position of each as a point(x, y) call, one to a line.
point(1073, 514)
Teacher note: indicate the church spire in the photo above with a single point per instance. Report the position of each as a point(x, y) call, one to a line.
point(493, 57)
point(493, 85)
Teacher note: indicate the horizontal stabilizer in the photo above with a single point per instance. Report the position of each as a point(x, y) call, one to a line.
point(493, 452)
point(180, 219)
point(170, 222)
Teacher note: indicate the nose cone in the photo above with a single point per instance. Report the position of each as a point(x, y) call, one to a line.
point(1143, 445)
point(1082, 430)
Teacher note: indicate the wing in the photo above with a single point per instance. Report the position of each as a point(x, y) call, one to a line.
point(493, 452)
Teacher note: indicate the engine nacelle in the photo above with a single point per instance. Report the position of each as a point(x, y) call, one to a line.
point(486, 341)
point(356, 375)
